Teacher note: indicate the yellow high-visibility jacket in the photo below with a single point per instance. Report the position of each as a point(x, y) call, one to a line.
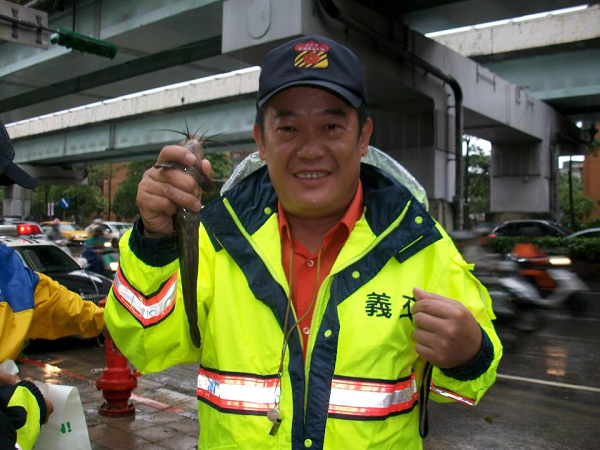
point(358, 388)
point(24, 411)
point(33, 305)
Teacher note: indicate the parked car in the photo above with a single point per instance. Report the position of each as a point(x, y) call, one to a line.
point(111, 229)
point(44, 256)
point(587, 233)
point(14, 226)
point(70, 230)
point(530, 227)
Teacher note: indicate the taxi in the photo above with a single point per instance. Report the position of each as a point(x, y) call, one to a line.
point(71, 231)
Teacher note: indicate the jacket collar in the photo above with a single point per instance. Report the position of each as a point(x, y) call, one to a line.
point(254, 199)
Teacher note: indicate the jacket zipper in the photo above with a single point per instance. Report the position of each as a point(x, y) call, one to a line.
point(312, 336)
point(286, 287)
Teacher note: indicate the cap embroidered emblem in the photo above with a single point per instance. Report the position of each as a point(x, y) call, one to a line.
point(311, 55)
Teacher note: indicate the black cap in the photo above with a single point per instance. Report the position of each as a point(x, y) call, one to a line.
point(10, 173)
point(312, 61)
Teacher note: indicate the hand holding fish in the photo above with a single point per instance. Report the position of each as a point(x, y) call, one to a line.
point(171, 202)
point(161, 191)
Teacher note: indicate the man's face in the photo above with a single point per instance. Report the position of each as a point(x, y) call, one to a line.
point(312, 146)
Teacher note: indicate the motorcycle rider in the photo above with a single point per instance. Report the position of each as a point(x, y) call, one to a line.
point(54, 234)
point(553, 286)
point(94, 248)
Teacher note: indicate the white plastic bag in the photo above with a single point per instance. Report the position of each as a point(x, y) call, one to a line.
point(9, 366)
point(66, 428)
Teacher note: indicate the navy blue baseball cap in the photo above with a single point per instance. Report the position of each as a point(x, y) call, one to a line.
point(10, 173)
point(312, 61)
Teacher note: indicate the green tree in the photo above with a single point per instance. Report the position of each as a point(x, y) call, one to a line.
point(477, 178)
point(124, 200)
point(101, 175)
point(582, 204)
point(88, 197)
point(40, 197)
point(222, 166)
point(98, 174)
point(86, 201)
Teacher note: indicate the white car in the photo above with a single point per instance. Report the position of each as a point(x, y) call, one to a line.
point(587, 233)
point(111, 229)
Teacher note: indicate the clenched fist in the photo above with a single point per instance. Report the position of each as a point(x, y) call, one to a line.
point(447, 335)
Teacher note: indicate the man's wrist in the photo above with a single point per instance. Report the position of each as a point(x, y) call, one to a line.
point(155, 235)
point(39, 397)
point(156, 252)
point(478, 366)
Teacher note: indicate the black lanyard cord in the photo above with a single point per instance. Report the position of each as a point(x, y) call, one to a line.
point(423, 399)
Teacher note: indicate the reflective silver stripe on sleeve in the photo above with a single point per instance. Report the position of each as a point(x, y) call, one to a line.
point(148, 310)
point(452, 395)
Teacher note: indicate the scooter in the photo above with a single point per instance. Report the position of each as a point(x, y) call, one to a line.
point(553, 285)
point(514, 304)
point(110, 258)
point(103, 258)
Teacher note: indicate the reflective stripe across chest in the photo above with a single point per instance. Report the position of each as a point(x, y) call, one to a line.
point(350, 398)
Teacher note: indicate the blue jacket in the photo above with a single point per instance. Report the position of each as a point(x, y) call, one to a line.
point(33, 305)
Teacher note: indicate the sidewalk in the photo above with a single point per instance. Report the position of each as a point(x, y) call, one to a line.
point(164, 418)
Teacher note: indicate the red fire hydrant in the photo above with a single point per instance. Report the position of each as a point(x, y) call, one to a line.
point(117, 382)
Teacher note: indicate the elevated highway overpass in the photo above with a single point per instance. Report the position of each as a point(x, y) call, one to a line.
point(413, 109)
point(555, 58)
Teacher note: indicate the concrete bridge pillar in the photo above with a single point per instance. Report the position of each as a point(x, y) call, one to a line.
point(417, 135)
point(520, 180)
point(17, 201)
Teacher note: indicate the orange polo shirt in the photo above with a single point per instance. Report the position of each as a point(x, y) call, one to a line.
point(304, 265)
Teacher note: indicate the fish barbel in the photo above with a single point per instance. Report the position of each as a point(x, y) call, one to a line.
point(186, 223)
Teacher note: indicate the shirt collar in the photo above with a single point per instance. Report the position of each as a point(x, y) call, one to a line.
point(346, 224)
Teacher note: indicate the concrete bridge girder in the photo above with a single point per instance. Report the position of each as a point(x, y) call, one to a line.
point(554, 59)
point(137, 125)
point(132, 128)
point(141, 137)
point(145, 58)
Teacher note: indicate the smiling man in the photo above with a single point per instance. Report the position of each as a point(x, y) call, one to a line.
point(312, 144)
point(330, 304)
